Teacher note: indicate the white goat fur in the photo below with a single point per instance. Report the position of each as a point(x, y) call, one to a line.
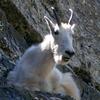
point(36, 69)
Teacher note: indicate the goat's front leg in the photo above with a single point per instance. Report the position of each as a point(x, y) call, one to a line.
point(64, 84)
point(70, 86)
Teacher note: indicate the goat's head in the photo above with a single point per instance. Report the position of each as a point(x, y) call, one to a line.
point(62, 43)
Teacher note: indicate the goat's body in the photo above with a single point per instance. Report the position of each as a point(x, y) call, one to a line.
point(36, 71)
point(34, 66)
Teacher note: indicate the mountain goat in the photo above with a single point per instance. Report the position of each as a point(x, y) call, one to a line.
point(36, 69)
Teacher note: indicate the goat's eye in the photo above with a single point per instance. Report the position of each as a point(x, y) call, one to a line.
point(56, 32)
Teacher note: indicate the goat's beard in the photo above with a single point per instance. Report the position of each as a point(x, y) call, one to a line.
point(58, 59)
point(58, 56)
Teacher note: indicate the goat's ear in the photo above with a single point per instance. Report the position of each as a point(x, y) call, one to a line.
point(72, 28)
point(49, 24)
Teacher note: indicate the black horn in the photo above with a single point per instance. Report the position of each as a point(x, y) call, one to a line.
point(57, 19)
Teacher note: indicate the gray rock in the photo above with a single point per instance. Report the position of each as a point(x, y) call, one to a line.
point(87, 18)
point(26, 26)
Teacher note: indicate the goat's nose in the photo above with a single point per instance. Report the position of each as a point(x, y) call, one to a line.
point(70, 53)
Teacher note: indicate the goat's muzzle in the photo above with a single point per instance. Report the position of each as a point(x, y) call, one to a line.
point(68, 55)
